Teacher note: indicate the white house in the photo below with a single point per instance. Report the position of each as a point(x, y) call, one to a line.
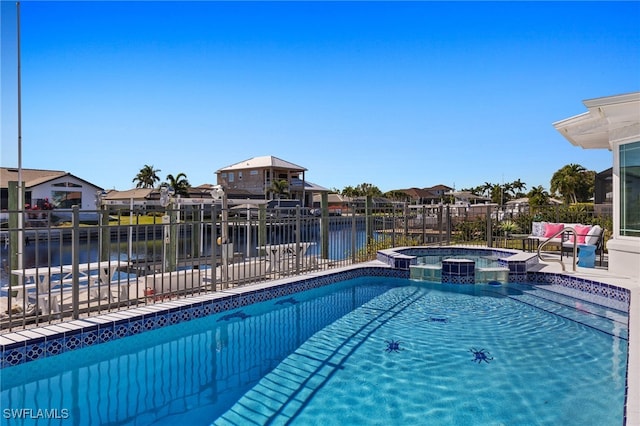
point(57, 188)
point(613, 123)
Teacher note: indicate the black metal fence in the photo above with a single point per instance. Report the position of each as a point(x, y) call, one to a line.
point(67, 264)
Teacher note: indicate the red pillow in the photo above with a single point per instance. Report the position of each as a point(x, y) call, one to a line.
point(582, 232)
point(551, 228)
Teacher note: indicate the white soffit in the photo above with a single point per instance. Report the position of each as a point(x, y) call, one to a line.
point(608, 119)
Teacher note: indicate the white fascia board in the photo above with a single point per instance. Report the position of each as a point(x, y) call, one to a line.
point(612, 100)
point(585, 130)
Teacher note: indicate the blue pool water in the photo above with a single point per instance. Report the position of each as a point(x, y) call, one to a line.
point(364, 351)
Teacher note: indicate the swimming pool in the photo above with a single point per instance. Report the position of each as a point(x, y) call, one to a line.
point(376, 350)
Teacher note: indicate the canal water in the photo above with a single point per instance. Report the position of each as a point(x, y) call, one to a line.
point(42, 252)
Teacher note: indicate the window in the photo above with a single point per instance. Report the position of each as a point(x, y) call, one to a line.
point(66, 200)
point(67, 185)
point(231, 177)
point(630, 189)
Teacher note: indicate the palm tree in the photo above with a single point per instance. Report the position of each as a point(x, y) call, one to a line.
point(476, 190)
point(587, 187)
point(496, 192)
point(349, 191)
point(518, 187)
point(397, 195)
point(567, 182)
point(487, 189)
point(538, 196)
point(368, 189)
point(507, 192)
point(280, 187)
point(147, 177)
point(180, 184)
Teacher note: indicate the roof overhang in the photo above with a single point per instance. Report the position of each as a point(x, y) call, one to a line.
point(608, 120)
point(264, 162)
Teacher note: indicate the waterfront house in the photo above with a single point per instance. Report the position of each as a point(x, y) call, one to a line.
point(433, 195)
point(49, 189)
point(613, 123)
point(253, 179)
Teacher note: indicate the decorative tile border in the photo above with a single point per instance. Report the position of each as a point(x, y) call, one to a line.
point(589, 290)
point(517, 262)
point(458, 271)
point(29, 345)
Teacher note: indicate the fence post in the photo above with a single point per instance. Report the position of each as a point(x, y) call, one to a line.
point(15, 235)
point(393, 225)
point(448, 225)
point(368, 219)
point(354, 234)
point(405, 208)
point(214, 246)
point(298, 240)
point(262, 226)
point(324, 226)
point(424, 225)
point(196, 226)
point(224, 238)
point(173, 238)
point(489, 228)
point(75, 263)
point(440, 207)
point(105, 233)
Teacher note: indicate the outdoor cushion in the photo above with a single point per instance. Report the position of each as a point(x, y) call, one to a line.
point(593, 235)
point(537, 229)
point(551, 228)
point(582, 231)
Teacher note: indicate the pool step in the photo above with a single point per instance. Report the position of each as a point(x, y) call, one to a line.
point(600, 318)
point(486, 275)
point(433, 273)
point(426, 272)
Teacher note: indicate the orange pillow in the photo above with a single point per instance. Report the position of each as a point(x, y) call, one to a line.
point(551, 228)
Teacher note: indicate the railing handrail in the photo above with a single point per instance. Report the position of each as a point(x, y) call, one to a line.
point(575, 247)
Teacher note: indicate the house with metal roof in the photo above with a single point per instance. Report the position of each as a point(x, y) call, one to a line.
point(254, 179)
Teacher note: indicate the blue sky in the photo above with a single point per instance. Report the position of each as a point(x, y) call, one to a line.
point(395, 94)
